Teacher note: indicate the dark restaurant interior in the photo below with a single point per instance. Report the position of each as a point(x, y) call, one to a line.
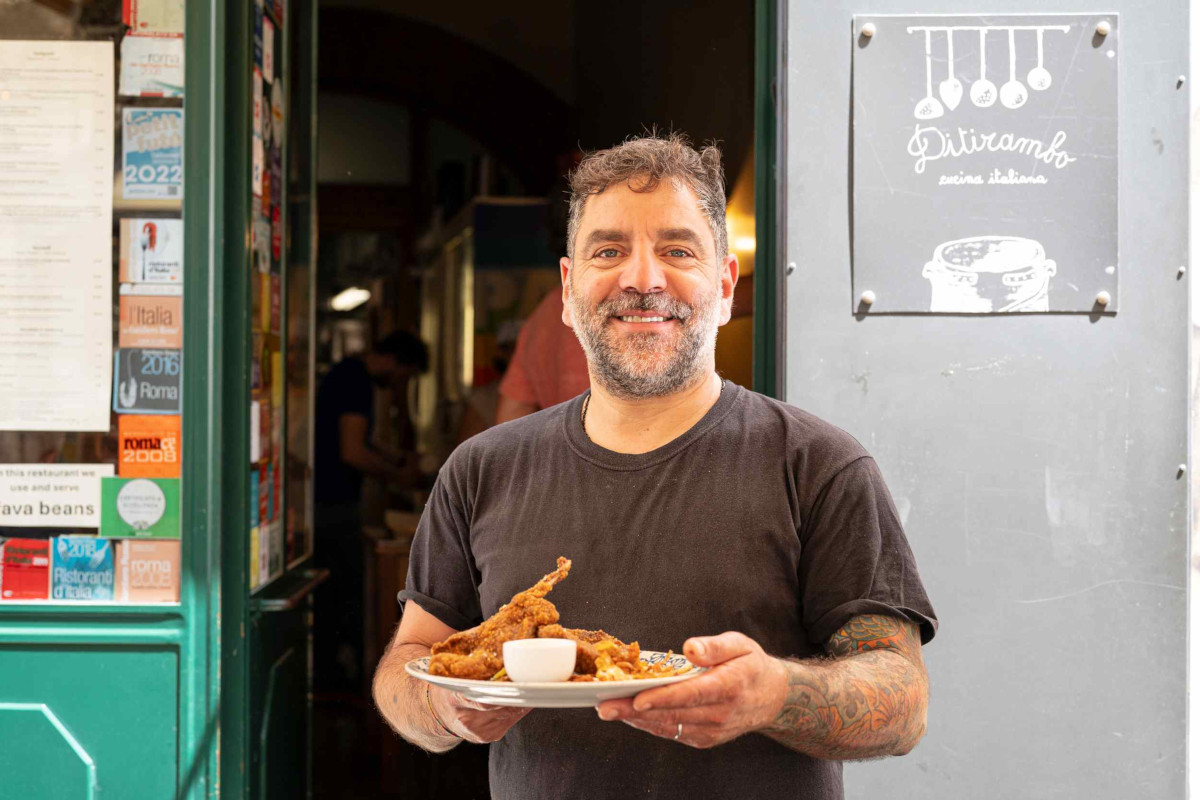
point(444, 133)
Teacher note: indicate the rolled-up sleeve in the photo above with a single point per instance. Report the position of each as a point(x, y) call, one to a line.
point(442, 576)
point(855, 558)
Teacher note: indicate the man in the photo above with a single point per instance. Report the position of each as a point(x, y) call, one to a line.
point(697, 513)
point(343, 455)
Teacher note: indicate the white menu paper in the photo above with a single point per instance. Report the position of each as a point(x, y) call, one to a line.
point(56, 112)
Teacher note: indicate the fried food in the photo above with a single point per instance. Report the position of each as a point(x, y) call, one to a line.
point(586, 650)
point(477, 653)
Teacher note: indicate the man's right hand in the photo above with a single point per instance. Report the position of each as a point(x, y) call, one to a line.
point(474, 722)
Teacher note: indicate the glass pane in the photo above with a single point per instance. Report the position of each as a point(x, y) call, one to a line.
point(269, 87)
point(91, 302)
point(282, 289)
point(301, 284)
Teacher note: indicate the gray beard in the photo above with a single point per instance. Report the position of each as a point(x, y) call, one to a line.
point(642, 365)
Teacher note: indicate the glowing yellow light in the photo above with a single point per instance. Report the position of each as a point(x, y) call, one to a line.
point(349, 299)
point(744, 244)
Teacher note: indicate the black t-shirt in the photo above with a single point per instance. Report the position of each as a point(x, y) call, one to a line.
point(761, 519)
point(346, 389)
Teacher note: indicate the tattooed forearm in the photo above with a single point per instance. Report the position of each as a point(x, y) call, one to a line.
point(869, 701)
point(866, 633)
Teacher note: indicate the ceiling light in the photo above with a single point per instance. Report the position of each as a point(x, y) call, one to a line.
point(349, 299)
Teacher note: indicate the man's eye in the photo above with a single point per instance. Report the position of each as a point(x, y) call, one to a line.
point(678, 252)
point(609, 252)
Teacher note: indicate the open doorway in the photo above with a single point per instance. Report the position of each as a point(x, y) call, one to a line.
point(444, 134)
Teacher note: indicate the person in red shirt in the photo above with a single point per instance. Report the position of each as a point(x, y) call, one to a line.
point(548, 366)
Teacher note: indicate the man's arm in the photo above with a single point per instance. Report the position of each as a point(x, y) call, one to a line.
point(402, 699)
point(870, 700)
point(355, 451)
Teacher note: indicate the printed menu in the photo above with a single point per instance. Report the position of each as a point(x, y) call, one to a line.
point(56, 104)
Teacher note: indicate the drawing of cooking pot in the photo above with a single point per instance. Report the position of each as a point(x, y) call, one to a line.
point(983, 274)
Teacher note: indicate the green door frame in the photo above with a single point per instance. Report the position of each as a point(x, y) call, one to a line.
point(241, 767)
point(234, 401)
point(205, 426)
point(768, 285)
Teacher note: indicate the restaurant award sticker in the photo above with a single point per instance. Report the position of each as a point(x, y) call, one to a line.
point(151, 251)
point(139, 508)
point(147, 381)
point(149, 445)
point(152, 153)
point(151, 66)
point(151, 320)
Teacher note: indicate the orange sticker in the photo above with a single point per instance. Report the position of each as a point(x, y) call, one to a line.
point(154, 321)
point(149, 445)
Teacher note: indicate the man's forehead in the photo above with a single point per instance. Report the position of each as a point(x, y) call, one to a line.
point(668, 205)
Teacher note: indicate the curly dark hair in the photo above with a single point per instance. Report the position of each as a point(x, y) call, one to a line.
point(642, 162)
point(407, 349)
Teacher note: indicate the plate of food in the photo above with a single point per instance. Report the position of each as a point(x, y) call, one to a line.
point(476, 663)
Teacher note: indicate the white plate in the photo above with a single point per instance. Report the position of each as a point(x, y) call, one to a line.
point(555, 695)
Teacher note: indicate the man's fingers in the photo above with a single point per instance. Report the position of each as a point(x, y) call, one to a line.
point(708, 651)
point(615, 709)
point(475, 705)
point(693, 735)
point(712, 687)
point(715, 715)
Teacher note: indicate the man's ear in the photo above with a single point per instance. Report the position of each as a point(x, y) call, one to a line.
point(728, 278)
point(564, 265)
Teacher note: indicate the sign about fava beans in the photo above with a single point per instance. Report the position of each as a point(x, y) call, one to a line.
point(985, 163)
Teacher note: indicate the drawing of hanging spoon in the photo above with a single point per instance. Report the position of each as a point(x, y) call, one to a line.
point(1013, 93)
point(1039, 77)
point(983, 91)
point(951, 89)
point(928, 107)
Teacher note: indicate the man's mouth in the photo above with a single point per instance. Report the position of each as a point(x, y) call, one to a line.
point(641, 319)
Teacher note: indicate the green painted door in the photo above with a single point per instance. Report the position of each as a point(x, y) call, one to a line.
point(110, 698)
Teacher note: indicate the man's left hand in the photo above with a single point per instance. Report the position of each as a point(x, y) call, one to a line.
point(743, 691)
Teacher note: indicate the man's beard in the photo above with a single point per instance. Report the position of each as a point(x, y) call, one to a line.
point(650, 364)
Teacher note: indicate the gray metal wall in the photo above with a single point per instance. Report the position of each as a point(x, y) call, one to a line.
point(1034, 457)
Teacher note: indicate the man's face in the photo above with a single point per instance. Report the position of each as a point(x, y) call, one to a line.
point(645, 291)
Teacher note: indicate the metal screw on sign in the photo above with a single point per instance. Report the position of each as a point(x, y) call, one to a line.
point(868, 30)
point(1103, 299)
point(867, 298)
point(1103, 28)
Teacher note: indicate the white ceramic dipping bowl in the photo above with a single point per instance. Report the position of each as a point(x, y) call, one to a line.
point(539, 660)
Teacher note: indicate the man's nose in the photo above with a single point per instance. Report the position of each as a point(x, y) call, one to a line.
point(643, 273)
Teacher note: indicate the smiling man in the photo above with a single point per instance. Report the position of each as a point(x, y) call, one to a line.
point(698, 514)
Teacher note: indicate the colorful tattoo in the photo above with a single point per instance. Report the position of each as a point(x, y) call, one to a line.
point(868, 701)
point(866, 633)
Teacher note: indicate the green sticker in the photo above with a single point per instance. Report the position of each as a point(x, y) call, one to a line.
point(139, 508)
